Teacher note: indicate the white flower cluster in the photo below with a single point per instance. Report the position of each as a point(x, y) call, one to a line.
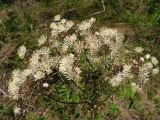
point(136, 87)
point(68, 41)
point(57, 17)
point(92, 43)
point(18, 77)
point(17, 110)
point(41, 63)
point(67, 46)
point(60, 25)
point(67, 67)
point(112, 38)
point(138, 49)
point(126, 73)
point(149, 66)
point(42, 40)
point(84, 27)
point(21, 51)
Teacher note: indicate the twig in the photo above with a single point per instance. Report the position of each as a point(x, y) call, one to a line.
point(79, 88)
point(45, 112)
point(87, 59)
point(6, 51)
point(32, 94)
point(3, 92)
point(111, 94)
point(56, 100)
point(104, 8)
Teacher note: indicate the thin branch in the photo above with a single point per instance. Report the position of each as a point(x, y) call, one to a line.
point(79, 88)
point(56, 100)
point(3, 92)
point(104, 8)
point(87, 59)
point(45, 112)
point(32, 93)
point(111, 94)
point(67, 83)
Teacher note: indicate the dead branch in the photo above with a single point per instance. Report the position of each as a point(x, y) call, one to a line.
point(103, 6)
point(6, 51)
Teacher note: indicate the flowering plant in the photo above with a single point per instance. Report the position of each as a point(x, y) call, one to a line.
point(85, 59)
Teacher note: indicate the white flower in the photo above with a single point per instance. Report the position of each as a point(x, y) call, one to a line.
point(109, 32)
point(39, 75)
point(21, 51)
point(42, 40)
point(66, 66)
point(57, 17)
point(41, 63)
point(92, 20)
point(55, 44)
point(127, 71)
point(68, 25)
point(69, 40)
point(135, 87)
point(46, 85)
point(92, 43)
point(71, 75)
point(139, 49)
point(148, 65)
point(78, 46)
point(97, 33)
point(154, 60)
point(64, 48)
point(126, 68)
point(142, 59)
point(53, 25)
point(61, 26)
point(111, 38)
point(18, 78)
point(17, 111)
point(13, 90)
point(144, 72)
point(86, 24)
point(63, 21)
point(147, 56)
point(27, 72)
point(66, 62)
point(155, 71)
point(78, 70)
point(116, 80)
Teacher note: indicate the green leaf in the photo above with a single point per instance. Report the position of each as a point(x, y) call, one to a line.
point(61, 89)
point(127, 92)
point(40, 118)
point(113, 110)
point(31, 116)
point(2, 109)
point(75, 97)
